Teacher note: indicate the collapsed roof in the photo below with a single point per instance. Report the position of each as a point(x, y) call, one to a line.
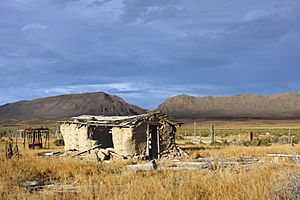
point(120, 121)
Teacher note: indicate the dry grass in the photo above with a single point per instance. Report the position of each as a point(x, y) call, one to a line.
point(247, 123)
point(238, 151)
point(112, 181)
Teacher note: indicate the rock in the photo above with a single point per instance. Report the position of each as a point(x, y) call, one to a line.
point(146, 166)
point(173, 153)
point(101, 156)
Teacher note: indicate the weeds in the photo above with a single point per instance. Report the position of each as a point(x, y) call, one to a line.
point(109, 181)
point(291, 190)
point(59, 142)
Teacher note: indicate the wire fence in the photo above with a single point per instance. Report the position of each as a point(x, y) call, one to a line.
point(20, 134)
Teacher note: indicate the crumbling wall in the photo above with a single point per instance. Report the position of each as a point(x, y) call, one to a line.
point(140, 138)
point(101, 136)
point(167, 133)
point(123, 141)
point(76, 137)
point(167, 136)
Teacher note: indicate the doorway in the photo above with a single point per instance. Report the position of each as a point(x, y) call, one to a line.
point(154, 141)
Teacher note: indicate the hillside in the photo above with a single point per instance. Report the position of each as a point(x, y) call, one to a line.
point(65, 106)
point(279, 106)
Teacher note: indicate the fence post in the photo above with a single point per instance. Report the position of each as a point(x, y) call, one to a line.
point(200, 136)
point(212, 134)
point(194, 131)
point(6, 152)
point(251, 136)
point(289, 140)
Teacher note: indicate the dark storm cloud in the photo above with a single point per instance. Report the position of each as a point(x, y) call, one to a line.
point(146, 51)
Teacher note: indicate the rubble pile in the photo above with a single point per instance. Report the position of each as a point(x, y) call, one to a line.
point(96, 154)
point(174, 152)
point(107, 154)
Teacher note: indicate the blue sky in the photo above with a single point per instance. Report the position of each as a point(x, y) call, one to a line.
point(148, 50)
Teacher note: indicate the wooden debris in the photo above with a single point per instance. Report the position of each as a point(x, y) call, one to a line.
point(247, 160)
point(10, 150)
point(86, 151)
point(294, 157)
point(284, 155)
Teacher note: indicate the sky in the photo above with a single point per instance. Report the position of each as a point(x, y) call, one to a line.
point(148, 50)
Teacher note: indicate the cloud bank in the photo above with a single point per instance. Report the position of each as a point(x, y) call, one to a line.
point(146, 51)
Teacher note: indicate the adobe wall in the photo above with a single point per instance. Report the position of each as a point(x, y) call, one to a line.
point(76, 137)
point(123, 142)
point(102, 136)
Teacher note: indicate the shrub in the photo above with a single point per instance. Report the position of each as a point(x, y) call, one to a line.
point(275, 139)
point(216, 143)
point(296, 139)
point(2, 133)
point(59, 142)
point(188, 142)
point(225, 142)
point(179, 137)
point(262, 142)
point(257, 142)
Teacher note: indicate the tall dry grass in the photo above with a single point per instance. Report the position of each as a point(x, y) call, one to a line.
point(240, 151)
point(111, 181)
point(247, 123)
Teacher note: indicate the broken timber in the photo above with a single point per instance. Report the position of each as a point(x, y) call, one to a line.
point(83, 152)
point(284, 155)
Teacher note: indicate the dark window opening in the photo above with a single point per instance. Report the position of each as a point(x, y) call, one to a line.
point(103, 136)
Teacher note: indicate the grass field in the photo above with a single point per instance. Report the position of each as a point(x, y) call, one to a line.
point(71, 178)
point(112, 181)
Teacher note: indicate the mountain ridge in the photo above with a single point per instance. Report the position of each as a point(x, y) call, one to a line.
point(276, 106)
point(68, 105)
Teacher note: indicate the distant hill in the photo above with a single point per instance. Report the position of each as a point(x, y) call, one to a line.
point(65, 106)
point(279, 106)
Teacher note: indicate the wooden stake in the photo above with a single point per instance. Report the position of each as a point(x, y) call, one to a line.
point(6, 151)
point(212, 134)
point(33, 141)
point(251, 136)
point(200, 136)
point(24, 135)
point(147, 135)
point(158, 143)
point(194, 131)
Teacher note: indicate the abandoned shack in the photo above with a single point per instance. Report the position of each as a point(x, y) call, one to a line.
point(145, 135)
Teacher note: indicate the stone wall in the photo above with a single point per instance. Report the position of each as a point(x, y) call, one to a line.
point(140, 138)
point(167, 136)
